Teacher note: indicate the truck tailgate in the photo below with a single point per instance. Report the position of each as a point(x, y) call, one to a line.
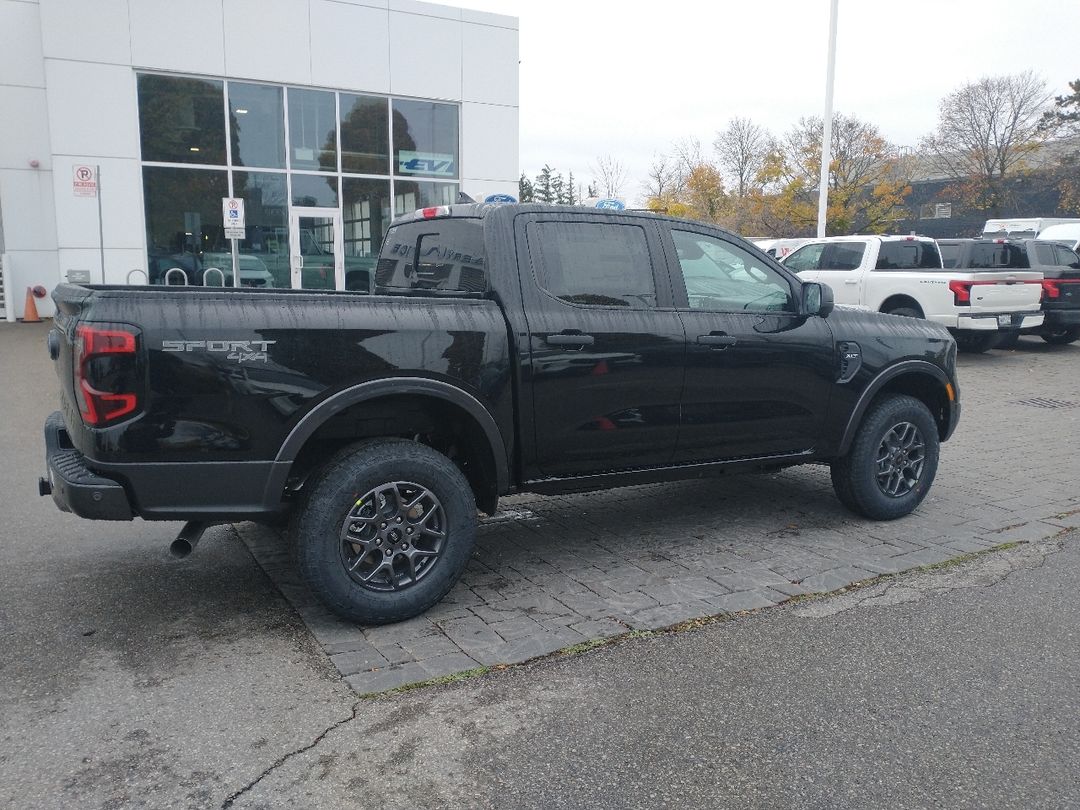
point(1005, 292)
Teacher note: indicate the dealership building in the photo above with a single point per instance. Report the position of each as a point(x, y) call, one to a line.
point(126, 126)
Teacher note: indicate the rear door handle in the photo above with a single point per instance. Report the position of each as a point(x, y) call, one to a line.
point(717, 341)
point(565, 339)
point(852, 281)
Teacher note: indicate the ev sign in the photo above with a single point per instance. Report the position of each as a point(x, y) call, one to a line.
point(232, 213)
point(84, 181)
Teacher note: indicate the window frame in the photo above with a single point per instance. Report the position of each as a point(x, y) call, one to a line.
point(678, 282)
point(657, 258)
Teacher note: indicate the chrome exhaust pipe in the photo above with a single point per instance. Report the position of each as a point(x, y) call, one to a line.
point(188, 538)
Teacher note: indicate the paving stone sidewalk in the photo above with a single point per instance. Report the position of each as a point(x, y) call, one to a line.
point(552, 572)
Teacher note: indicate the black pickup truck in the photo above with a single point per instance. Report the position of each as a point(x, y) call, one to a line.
point(1059, 264)
point(506, 348)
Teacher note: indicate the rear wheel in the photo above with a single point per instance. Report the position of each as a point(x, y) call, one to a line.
point(906, 312)
point(976, 342)
point(892, 462)
point(1061, 336)
point(385, 531)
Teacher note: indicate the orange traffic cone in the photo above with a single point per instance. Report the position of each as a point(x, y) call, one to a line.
point(30, 314)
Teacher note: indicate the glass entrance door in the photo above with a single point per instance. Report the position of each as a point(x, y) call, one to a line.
point(316, 259)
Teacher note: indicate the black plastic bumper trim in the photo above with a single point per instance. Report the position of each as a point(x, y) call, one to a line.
point(75, 487)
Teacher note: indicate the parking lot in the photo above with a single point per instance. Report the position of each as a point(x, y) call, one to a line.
point(118, 658)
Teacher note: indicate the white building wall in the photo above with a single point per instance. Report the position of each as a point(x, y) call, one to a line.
point(68, 97)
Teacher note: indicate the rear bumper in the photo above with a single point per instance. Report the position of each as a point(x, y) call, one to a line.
point(1003, 321)
point(74, 486)
point(193, 490)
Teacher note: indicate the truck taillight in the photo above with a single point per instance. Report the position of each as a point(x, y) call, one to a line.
point(94, 346)
point(1051, 287)
point(961, 291)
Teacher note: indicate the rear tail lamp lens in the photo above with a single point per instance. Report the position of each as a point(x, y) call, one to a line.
point(92, 343)
point(961, 291)
point(1051, 287)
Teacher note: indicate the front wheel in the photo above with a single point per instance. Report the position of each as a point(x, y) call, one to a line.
point(892, 462)
point(1060, 337)
point(386, 530)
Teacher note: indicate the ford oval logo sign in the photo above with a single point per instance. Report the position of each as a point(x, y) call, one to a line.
point(500, 198)
point(611, 205)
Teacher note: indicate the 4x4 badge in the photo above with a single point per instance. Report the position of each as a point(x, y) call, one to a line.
point(243, 351)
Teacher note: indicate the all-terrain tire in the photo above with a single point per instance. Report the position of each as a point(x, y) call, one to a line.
point(855, 477)
point(334, 497)
point(1061, 337)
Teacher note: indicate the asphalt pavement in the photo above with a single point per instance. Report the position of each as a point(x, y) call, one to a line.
point(128, 679)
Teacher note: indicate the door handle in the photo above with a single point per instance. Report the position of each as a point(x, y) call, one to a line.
point(569, 339)
point(717, 341)
point(851, 281)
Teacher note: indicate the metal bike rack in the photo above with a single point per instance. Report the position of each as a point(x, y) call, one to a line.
point(206, 275)
point(141, 272)
point(169, 275)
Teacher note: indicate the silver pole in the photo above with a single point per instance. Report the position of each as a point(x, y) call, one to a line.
point(100, 224)
point(235, 263)
point(826, 135)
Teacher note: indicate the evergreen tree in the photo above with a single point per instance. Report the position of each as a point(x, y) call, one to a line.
point(526, 192)
point(571, 198)
point(558, 188)
point(542, 189)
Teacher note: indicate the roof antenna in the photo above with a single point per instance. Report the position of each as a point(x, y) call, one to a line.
point(462, 197)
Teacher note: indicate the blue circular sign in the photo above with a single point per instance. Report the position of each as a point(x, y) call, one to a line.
point(611, 205)
point(500, 198)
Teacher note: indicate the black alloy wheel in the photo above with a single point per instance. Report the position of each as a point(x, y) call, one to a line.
point(393, 536)
point(900, 459)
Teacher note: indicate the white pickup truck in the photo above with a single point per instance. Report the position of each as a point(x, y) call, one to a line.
point(903, 275)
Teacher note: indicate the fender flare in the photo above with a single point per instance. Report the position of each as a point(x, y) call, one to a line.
point(876, 384)
point(396, 386)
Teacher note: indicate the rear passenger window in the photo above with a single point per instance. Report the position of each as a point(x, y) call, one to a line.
point(908, 255)
point(843, 256)
point(593, 263)
point(950, 255)
point(805, 258)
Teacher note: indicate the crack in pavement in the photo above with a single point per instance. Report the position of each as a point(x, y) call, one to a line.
point(985, 571)
point(231, 799)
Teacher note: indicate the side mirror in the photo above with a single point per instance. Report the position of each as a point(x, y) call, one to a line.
point(817, 299)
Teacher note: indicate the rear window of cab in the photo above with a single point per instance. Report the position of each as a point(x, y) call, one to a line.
point(437, 254)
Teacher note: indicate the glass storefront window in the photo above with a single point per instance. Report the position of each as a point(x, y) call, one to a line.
point(183, 220)
point(257, 121)
point(312, 130)
point(413, 194)
point(264, 252)
point(312, 190)
point(425, 139)
point(366, 208)
point(181, 120)
point(364, 135)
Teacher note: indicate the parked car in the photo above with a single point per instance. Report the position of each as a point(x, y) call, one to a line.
point(508, 348)
point(1058, 263)
point(903, 275)
point(778, 248)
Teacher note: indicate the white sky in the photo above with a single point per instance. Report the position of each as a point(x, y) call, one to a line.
point(629, 78)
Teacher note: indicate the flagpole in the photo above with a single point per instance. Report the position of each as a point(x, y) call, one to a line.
point(826, 135)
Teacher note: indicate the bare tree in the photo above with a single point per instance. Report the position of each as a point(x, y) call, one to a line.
point(610, 173)
point(743, 148)
point(663, 179)
point(986, 131)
